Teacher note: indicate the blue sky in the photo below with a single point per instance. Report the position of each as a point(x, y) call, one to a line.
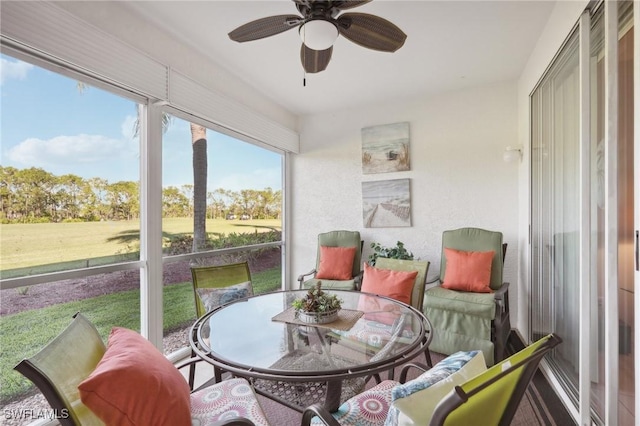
point(47, 122)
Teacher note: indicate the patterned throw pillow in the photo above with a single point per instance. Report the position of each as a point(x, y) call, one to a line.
point(373, 333)
point(211, 298)
point(368, 408)
point(414, 401)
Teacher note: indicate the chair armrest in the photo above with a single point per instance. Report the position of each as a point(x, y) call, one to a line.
point(433, 280)
point(501, 297)
point(407, 367)
point(318, 410)
point(301, 277)
point(188, 362)
point(501, 292)
point(358, 280)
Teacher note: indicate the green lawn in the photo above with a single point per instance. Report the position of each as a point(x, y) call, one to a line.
point(28, 245)
point(22, 334)
point(33, 246)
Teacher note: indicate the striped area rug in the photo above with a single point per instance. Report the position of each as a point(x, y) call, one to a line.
point(540, 404)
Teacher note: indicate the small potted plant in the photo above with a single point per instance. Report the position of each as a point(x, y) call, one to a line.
point(397, 252)
point(317, 306)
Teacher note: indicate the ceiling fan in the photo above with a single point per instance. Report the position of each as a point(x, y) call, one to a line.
point(320, 24)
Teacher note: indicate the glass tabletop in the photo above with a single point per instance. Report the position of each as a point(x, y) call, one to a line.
point(261, 334)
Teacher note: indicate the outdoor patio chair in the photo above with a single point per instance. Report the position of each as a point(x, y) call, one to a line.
point(459, 390)
point(422, 266)
point(214, 286)
point(470, 308)
point(417, 291)
point(337, 262)
point(129, 382)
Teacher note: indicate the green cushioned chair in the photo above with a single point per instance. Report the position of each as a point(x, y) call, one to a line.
point(465, 320)
point(422, 266)
point(337, 239)
point(417, 294)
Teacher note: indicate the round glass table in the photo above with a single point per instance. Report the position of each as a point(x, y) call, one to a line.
point(298, 364)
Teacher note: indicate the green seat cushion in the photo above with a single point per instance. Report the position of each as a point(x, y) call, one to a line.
point(480, 305)
point(331, 284)
point(461, 321)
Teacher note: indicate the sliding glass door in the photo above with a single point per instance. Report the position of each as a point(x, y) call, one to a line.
point(604, 271)
point(555, 213)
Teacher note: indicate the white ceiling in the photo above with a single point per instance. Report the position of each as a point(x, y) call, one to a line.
point(450, 45)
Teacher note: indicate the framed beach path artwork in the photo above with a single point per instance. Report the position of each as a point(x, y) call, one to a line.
point(386, 203)
point(385, 148)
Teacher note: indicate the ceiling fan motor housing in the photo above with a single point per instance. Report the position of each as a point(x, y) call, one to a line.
point(318, 34)
point(320, 25)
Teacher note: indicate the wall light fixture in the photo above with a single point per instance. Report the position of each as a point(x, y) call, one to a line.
point(512, 153)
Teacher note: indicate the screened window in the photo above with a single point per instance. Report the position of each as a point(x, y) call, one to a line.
point(219, 193)
point(70, 173)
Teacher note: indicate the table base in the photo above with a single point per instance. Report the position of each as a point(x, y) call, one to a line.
point(299, 395)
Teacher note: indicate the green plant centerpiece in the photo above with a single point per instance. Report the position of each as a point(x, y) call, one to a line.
point(397, 252)
point(317, 306)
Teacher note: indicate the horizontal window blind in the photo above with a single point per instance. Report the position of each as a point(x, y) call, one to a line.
point(55, 33)
point(191, 97)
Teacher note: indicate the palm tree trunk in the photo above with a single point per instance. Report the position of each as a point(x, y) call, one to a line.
point(199, 144)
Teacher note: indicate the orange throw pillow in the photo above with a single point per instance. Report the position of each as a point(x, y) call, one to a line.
point(336, 263)
point(134, 384)
point(387, 282)
point(397, 285)
point(468, 270)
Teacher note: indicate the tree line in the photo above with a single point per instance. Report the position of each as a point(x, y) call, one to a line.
point(34, 195)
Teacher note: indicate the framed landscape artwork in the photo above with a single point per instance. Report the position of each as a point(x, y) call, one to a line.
point(386, 203)
point(385, 148)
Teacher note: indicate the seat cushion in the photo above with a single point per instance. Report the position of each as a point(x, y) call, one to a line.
point(331, 284)
point(374, 334)
point(369, 408)
point(226, 400)
point(413, 402)
point(481, 305)
point(461, 321)
point(211, 298)
point(134, 384)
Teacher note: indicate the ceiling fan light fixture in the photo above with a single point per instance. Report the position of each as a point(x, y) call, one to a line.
point(318, 34)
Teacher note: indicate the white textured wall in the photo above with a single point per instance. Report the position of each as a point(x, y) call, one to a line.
point(458, 177)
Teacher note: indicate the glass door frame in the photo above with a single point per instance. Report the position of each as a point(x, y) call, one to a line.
point(610, 414)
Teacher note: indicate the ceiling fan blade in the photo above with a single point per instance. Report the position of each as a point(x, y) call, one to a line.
point(371, 31)
point(348, 4)
point(315, 61)
point(265, 27)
